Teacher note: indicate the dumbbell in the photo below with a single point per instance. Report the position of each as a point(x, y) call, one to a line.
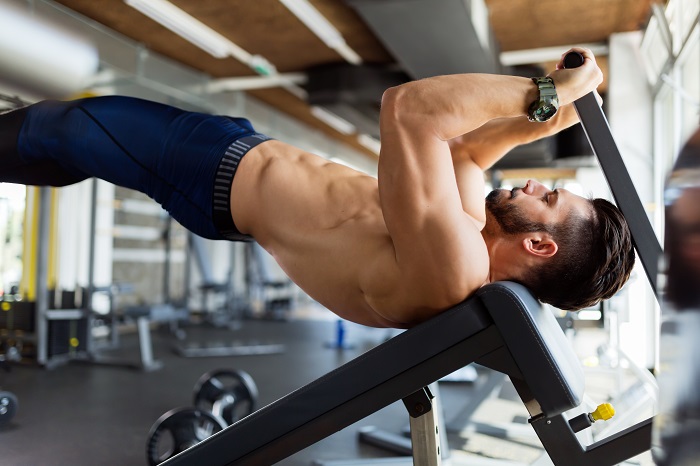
point(221, 397)
point(228, 394)
point(8, 407)
point(179, 429)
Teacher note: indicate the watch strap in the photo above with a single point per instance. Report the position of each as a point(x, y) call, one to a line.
point(547, 98)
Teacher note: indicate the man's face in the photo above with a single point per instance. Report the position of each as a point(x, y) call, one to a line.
point(533, 207)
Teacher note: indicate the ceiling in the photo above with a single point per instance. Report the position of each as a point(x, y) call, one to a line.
point(269, 29)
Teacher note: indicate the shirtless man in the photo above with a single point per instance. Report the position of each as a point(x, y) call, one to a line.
point(392, 251)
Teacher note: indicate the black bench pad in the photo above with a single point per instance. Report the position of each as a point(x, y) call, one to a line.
point(390, 372)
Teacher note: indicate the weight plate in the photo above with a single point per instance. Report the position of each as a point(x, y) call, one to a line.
point(229, 394)
point(177, 430)
point(8, 407)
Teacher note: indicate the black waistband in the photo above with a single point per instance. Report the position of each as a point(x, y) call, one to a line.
point(221, 199)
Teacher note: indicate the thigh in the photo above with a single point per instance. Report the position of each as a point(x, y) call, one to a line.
point(114, 138)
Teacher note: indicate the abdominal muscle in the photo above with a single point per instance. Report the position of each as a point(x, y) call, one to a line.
point(323, 224)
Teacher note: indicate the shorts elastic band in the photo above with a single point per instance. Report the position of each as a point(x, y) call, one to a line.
point(221, 200)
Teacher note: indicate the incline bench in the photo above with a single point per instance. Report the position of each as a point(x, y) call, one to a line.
point(502, 327)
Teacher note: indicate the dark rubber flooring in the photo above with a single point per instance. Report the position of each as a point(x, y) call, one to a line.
point(83, 414)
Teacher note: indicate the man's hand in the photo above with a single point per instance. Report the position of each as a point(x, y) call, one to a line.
point(574, 83)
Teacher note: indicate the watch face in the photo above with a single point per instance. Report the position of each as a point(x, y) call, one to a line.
point(543, 109)
point(545, 112)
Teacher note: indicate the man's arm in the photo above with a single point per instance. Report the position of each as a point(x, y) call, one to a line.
point(487, 144)
point(474, 152)
point(432, 235)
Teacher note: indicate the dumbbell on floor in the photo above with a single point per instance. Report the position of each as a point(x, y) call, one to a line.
point(221, 397)
point(8, 407)
point(229, 394)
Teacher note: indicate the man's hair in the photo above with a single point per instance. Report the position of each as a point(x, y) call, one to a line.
point(593, 262)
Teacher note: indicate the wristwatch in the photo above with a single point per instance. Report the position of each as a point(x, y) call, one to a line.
point(547, 105)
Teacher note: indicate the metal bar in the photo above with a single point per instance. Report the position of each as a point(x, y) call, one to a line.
point(252, 441)
point(595, 125)
point(42, 264)
point(146, 347)
point(87, 304)
point(564, 448)
point(559, 440)
point(167, 237)
point(425, 437)
point(597, 130)
point(621, 446)
point(400, 461)
point(65, 314)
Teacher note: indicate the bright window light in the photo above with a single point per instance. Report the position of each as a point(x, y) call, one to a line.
point(323, 29)
point(184, 25)
point(333, 120)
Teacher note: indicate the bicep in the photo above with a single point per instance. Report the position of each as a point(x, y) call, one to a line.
point(421, 202)
point(471, 186)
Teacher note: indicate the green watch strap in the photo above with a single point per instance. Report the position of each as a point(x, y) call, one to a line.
point(546, 106)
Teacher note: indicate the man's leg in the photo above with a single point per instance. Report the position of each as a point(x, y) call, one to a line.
point(167, 153)
point(14, 170)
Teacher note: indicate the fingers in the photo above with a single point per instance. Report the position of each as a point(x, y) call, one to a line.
point(585, 52)
point(588, 57)
point(572, 83)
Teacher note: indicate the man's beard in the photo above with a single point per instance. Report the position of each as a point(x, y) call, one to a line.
point(509, 216)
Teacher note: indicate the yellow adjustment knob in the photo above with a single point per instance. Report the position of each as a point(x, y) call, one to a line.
point(603, 412)
point(74, 342)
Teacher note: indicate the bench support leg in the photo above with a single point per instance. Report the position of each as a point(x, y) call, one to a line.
point(145, 346)
point(425, 434)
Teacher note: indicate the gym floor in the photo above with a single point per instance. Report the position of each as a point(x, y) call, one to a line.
point(80, 414)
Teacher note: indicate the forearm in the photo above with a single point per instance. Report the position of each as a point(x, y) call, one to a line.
point(490, 142)
point(457, 104)
point(449, 106)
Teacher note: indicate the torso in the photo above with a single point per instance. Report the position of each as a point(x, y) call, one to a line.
point(323, 224)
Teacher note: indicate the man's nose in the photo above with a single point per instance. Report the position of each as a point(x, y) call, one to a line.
point(535, 188)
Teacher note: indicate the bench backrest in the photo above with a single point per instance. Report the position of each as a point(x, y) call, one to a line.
point(544, 357)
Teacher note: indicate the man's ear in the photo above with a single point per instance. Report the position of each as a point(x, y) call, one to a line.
point(540, 245)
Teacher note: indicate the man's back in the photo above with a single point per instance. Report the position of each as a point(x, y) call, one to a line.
point(324, 224)
point(397, 250)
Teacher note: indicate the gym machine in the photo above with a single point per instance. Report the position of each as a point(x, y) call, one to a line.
point(55, 326)
point(231, 313)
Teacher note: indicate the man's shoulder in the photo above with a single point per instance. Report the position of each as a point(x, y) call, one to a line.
point(456, 279)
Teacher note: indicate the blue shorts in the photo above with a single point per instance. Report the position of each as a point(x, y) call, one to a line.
point(184, 160)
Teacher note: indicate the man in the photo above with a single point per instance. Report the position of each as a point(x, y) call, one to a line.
point(388, 252)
